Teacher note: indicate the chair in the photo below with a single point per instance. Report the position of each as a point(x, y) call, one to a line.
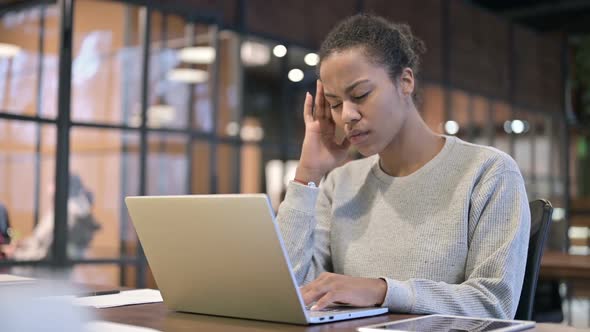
point(4, 225)
point(541, 211)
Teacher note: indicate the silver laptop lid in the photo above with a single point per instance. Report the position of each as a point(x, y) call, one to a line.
point(218, 255)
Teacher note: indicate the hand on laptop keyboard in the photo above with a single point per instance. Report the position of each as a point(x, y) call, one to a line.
point(329, 309)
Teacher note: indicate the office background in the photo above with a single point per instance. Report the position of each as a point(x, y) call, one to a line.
point(195, 97)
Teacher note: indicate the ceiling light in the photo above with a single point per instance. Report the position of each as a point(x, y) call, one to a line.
point(451, 127)
point(187, 75)
point(158, 115)
point(508, 126)
point(251, 133)
point(254, 54)
point(311, 59)
point(295, 75)
point(161, 114)
point(8, 50)
point(517, 126)
point(279, 51)
point(558, 214)
point(232, 129)
point(197, 54)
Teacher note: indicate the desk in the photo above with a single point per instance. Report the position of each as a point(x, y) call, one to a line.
point(558, 265)
point(573, 269)
point(157, 316)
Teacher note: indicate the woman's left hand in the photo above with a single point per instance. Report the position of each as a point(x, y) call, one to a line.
point(331, 288)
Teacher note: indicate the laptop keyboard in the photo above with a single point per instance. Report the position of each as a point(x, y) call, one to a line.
point(328, 310)
point(325, 310)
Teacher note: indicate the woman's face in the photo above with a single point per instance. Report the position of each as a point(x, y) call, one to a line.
point(364, 101)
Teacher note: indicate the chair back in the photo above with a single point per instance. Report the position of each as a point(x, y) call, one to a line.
point(541, 211)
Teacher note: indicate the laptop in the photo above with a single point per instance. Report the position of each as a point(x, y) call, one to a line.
point(223, 255)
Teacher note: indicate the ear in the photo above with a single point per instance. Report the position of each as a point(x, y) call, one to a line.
point(407, 82)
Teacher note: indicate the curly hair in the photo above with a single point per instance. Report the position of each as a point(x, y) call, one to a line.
point(385, 43)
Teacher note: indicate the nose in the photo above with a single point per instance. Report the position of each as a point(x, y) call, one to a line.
point(350, 112)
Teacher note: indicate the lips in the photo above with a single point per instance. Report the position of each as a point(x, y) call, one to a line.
point(357, 137)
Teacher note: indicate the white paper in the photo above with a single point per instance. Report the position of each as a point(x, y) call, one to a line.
point(12, 279)
point(101, 326)
point(136, 296)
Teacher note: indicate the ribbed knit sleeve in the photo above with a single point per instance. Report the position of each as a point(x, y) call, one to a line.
point(304, 222)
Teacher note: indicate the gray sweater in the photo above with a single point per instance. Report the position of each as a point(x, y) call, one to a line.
point(450, 238)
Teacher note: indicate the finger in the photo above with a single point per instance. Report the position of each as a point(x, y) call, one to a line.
point(327, 108)
point(307, 289)
point(313, 294)
point(319, 111)
point(324, 301)
point(317, 282)
point(307, 108)
point(327, 113)
point(315, 289)
point(328, 130)
point(304, 289)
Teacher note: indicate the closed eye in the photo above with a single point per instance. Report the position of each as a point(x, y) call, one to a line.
point(359, 98)
point(335, 106)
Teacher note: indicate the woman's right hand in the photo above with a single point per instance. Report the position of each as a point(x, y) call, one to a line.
point(8, 250)
point(320, 152)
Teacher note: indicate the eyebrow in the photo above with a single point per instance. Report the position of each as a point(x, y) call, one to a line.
point(347, 90)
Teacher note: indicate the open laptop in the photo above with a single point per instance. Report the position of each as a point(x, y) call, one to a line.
point(223, 255)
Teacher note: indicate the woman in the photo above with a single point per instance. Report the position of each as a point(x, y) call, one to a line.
point(426, 223)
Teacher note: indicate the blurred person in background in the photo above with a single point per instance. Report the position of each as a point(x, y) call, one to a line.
point(81, 227)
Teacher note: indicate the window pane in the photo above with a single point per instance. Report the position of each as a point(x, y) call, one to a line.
point(501, 113)
point(522, 144)
point(27, 159)
point(201, 171)
point(181, 75)
point(106, 65)
point(227, 167)
point(263, 86)
point(19, 71)
point(167, 164)
point(107, 164)
point(297, 90)
point(230, 85)
point(168, 99)
point(276, 173)
point(251, 168)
